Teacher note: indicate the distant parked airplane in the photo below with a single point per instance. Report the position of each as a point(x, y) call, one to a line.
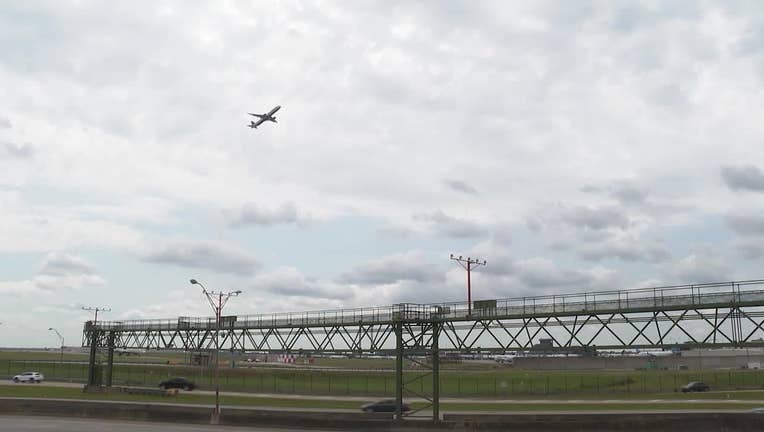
point(264, 117)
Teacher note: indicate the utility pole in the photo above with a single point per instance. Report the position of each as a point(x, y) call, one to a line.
point(467, 264)
point(96, 309)
point(217, 300)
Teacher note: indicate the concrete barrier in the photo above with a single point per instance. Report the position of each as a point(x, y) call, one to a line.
point(673, 421)
point(610, 421)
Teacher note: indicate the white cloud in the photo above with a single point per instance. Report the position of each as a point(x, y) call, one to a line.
point(621, 133)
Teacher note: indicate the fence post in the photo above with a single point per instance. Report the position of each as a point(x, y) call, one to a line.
point(546, 390)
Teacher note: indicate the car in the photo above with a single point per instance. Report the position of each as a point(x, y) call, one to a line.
point(30, 377)
point(178, 383)
point(695, 386)
point(385, 405)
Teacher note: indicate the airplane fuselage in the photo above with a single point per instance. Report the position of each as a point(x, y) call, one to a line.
point(269, 116)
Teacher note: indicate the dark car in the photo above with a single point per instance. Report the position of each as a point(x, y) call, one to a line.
point(386, 405)
point(695, 386)
point(178, 383)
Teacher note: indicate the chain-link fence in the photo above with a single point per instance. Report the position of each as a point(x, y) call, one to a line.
point(499, 384)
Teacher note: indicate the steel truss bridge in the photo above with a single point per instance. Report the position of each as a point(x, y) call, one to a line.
point(725, 314)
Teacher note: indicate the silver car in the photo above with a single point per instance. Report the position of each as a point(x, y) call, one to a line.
point(30, 377)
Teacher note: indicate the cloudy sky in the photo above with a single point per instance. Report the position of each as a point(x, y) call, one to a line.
point(573, 145)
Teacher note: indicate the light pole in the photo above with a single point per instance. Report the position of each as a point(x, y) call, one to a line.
point(217, 300)
point(61, 338)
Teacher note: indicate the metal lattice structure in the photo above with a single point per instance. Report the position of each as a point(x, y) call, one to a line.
point(716, 314)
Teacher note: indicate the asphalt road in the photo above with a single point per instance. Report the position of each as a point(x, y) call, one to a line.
point(54, 424)
point(361, 399)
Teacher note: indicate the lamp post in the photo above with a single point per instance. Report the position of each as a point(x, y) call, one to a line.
point(217, 300)
point(60, 338)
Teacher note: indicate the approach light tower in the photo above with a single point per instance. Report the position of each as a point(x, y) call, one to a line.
point(96, 309)
point(467, 264)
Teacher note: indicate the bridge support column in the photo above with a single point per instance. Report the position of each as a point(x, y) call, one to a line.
point(110, 359)
point(94, 336)
point(435, 371)
point(398, 371)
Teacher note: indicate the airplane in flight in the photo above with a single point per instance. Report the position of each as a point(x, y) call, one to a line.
point(263, 117)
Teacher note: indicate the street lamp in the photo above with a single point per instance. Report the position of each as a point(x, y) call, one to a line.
point(61, 338)
point(217, 300)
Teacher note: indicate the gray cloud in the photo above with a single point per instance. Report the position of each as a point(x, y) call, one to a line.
point(628, 193)
point(699, 267)
point(461, 186)
point(746, 224)
point(624, 191)
point(595, 218)
point(5, 123)
point(451, 226)
point(749, 250)
point(23, 151)
point(743, 177)
point(391, 269)
point(58, 263)
point(540, 272)
point(288, 281)
point(626, 250)
point(221, 257)
point(252, 214)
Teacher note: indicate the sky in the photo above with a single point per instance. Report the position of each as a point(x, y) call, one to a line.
point(575, 146)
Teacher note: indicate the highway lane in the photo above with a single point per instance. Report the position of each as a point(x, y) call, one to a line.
point(723, 398)
point(57, 424)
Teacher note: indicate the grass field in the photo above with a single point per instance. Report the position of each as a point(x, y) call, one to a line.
point(41, 391)
point(489, 383)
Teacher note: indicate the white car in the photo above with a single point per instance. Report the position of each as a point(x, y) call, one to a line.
point(32, 377)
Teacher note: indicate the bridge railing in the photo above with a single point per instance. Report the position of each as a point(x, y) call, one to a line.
point(680, 296)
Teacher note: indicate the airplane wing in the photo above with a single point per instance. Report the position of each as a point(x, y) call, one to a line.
point(260, 116)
